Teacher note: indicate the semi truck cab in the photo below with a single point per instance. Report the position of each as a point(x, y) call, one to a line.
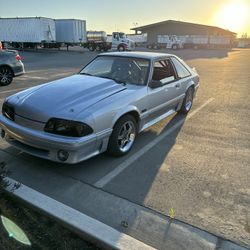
point(120, 42)
point(99, 41)
point(173, 42)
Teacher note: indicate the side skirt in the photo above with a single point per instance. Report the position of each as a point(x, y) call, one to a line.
point(159, 118)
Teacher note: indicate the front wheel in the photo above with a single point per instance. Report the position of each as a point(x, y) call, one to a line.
point(123, 136)
point(6, 76)
point(98, 48)
point(91, 47)
point(175, 47)
point(121, 48)
point(188, 101)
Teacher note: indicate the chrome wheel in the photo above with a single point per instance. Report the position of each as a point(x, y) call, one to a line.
point(126, 136)
point(189, 100)
point(5, 76)
point(123, 136)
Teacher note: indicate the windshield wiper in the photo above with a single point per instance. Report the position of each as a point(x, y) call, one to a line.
point(117, 81)
point(87, 74)
point(107, 77)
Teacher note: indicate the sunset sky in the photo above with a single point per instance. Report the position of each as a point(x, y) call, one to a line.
point(113, 15)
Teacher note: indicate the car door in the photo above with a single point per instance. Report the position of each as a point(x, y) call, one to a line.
point(115, 40)
point(163, 99)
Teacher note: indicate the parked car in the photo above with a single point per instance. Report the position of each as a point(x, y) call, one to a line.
point(10, 66)
point(103, 107)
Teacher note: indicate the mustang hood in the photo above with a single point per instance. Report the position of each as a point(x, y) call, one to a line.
point(64, 98)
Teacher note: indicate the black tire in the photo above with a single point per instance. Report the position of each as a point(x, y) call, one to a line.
point(188, 101)
point(121, 48)
point(175, 47)
point(98, 48)
point(91, 47)
point(6, 76)
point(115, 145)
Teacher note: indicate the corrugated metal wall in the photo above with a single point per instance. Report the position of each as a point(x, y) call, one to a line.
point(179, 29)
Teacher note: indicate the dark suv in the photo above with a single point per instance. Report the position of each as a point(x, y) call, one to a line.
point(10, 66)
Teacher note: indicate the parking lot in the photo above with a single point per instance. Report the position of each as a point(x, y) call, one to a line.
point(196, 164)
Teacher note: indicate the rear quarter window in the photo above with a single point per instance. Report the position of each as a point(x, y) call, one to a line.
point(182, 71)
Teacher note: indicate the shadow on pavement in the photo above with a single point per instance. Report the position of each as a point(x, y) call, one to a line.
point(130, 184)
point(189, 54)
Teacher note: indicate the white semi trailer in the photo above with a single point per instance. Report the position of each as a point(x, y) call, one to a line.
point(30, 32)
point(70, 31)
point(27, 31)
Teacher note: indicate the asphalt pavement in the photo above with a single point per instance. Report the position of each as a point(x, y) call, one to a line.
point(195, 165)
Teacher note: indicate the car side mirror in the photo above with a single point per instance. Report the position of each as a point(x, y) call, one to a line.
point(153, 84)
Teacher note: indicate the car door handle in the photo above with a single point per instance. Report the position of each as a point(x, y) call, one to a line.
point(177, 85)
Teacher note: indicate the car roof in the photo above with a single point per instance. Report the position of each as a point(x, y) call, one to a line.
point(138, 54)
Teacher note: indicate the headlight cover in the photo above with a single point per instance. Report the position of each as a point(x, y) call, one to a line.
point(67, 128)
point(8, 111)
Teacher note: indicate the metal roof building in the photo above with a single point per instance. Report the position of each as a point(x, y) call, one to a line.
point(179, 28)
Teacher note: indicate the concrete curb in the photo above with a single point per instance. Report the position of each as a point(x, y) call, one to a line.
point(87, 227)
point(176, 234)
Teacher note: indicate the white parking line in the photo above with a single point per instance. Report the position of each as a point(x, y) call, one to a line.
point(11, 90)
point(33, 77)
point(111, 175)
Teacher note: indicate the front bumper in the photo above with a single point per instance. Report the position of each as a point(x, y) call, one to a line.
point(45, 145)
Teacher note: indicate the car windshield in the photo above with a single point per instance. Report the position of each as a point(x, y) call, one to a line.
point(120, 69)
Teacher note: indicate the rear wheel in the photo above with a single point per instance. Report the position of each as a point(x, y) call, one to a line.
point(123, 136)
point(188, 101)
point(6, 76)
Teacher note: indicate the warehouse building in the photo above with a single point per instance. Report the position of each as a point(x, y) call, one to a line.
point(184, 30)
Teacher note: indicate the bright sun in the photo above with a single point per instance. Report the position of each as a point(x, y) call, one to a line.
point(233, 15)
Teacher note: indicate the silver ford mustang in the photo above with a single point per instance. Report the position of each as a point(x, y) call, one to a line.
point(102, 108)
